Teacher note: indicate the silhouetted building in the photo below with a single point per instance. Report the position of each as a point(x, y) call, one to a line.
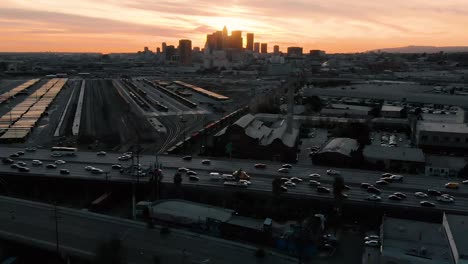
point(170, 54)
point(264, 47)
point(295, 51)
point(317, 53)
point(146, 50)
point(164, 47)
point(235, 40)
point(250, 41)
point(158, 50)
point(185, 51)
point(196, 49)
point(276, 49)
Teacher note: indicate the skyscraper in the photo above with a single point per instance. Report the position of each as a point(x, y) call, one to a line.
point(164, 47)
point(295, 51)
point(185, 51)
point(276, 49)
point(264, 48)
point(250, 41)
point(257, 47)
point(236, 40)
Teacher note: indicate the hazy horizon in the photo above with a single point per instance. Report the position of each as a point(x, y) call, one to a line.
point(128, 25)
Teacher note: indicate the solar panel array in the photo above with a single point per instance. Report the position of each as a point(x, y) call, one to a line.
point(20, 120)
point(6, 96)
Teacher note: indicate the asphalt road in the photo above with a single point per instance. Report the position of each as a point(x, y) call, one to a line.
point(261, 178)
point(80, 232)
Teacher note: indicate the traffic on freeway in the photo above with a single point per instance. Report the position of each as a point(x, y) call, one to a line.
point(380, 188)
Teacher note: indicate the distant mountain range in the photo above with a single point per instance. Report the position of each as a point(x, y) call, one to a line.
point(422, 49)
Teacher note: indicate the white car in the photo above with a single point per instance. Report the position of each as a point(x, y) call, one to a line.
point(314, 176)
point(372, 237)
point(56, 154)
point(59, 162)
point(88, 168)
point(372, 243)
point(333, 172)
point(396, 177)
point(420, 194)
point(97, 171)
point(183, 170)
point(314, 183)
point(21, 163)
point(445, 199)
point(289, 184)
point(245, 182)
point(373, 197)
point(283, 170)
point(36, 162)
point(101, 153)
point(295, 179)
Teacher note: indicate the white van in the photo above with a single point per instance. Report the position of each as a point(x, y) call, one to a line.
point(215, 176)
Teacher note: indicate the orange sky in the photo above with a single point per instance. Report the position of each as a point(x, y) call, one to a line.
point(128, 25)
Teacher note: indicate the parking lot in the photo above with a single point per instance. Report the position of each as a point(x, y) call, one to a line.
point(317, 137)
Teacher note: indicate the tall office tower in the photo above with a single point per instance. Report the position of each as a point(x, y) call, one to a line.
point(294, 51)
point(170, 53)
point(164, 47)
point(236, 39)
point(145, 49)
point(185, 51)
point(257, 47)
point(224, 38)
point(158, 50)
point(276, 49)
point(264, 48)
point(250, 41)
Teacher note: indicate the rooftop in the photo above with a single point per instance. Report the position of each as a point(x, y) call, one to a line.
point(394, 153)
point(343, 146)
point(445, 161)
point(248, 222)
point(443, 127)
point(459, 228)
point(391, 108)
point(415, 242)
point(351, 107)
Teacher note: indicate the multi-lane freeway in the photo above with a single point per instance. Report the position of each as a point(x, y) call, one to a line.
point(80, 233)
point(261, 178)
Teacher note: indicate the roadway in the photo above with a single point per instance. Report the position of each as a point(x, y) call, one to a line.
point(80, 233)
point(261, 178)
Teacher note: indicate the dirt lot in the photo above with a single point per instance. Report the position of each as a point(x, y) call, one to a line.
point(107, 122)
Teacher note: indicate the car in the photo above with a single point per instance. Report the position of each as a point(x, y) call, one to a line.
point(21, 163)
point(295, 179)
point(314, 176)
point(56, 154)
point(101, 153)
point(246, 182)
point(314, 183)
point(433, 192)
point(191, 173)
point(30, 149)
point(59, 162)
point(283, 170)
point(116, 166)
point(401, 195)
point(344, 195)
point(283, 179)
point(333, 172)
point(96, 171)
point(346, 188)
point(452, 185)
point(397, 177)
point(373, 197)
point(287, 166)
point(228, 177)
point(260, 166)
point(20, 153)
point(420, 194)
point(206, 162)
point(36, 162)
point(51, 166)
point(385, 175)
point(284, 188)
point(312, 153)
point(183, 170)
point(194, 178)
point(14, 155)
point(14, 166)
point(187, 158)
point(373, 190)
point(88, 168)
point(23, 169)
point(381, 182)
point(64, 171)
point(387, 179)
point(321, 189)
point(465, 182)
point(7, 161)
point(365, 185)
point(445, 199)
point(372, 237)
point(372, 243)
point(426, 204)
point(289, 184)
point(394, 197)
point(124, 158)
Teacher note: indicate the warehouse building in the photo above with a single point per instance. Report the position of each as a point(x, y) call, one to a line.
point(398, 159)
point(337, 152)
point(442, 135)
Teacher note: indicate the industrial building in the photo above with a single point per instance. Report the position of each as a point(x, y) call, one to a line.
point(337, 152)
point(250, 137)
point(399, 159)
point(444, 166)
point(391, 111)
point(442, 135)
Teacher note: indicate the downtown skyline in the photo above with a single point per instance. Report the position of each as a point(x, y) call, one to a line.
point(126, 26)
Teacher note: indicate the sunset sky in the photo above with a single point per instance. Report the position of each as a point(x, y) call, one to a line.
point(129, 25)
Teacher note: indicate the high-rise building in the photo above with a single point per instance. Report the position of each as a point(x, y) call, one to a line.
point(264, 47)
point(236, 40)
point(294, 51)
point(276, 49)
point(158, 50)
point(257, 47)
point(170, 53)
point(164, 47)
point(185, 51)
point(196, 49)
point(146, 50)
point(250, 41)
